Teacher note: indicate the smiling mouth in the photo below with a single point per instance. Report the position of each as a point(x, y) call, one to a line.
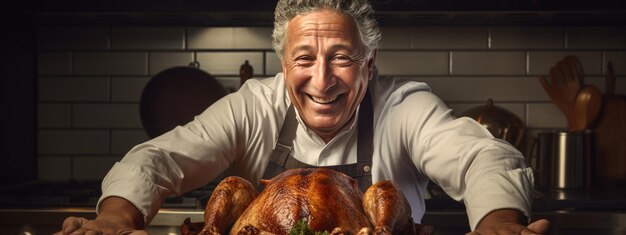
point(324, 100)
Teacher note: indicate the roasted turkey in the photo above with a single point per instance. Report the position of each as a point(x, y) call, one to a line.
point(325, 199)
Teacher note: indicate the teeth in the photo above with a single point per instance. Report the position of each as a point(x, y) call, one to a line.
point(324, 100)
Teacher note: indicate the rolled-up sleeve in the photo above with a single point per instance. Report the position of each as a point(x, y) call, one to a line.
point(463, 158)
point(229, 135)
point(499, 190)
point(180, 160)
point(127, 181)
point(173, 163)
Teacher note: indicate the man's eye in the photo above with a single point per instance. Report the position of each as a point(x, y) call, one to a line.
point(342, 60)
point(304, 60)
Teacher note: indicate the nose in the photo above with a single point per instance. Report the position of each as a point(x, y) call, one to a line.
point(323, 79)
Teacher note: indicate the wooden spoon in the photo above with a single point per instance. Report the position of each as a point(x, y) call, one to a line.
point(587, 107)
point(566, 79)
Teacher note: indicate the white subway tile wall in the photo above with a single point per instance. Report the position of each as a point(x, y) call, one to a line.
point(446, 38)
point(55, 168)
point(79, 88)
point(394, 38)
point(412, 62)
point(88, 167)
point(123, 140)
point(77, 38)
point(527, 38)
point(106, 116)
point(210, 38)
point(160, 61)
point(54, 116)
point(229, 38)
point(540, 62)
point(91, 79)
point(228, 63)
point(148, 38)
point(272, 64)
point(73, 141)
point(54, 63)
point(619, 61)
point(106, 63)
point(127, 89)
point(499, 88)
point(252, 38)
point(488, 63)
point(596, 38)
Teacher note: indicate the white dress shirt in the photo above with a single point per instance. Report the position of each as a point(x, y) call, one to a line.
point(416, 139)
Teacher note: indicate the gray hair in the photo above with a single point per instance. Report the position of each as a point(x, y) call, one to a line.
point(360, 10)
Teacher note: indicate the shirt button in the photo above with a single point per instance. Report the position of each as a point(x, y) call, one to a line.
point(367, 169)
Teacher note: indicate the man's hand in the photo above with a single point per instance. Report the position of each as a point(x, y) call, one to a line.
point(79, 225)
point(508, 221)
point(117, 216)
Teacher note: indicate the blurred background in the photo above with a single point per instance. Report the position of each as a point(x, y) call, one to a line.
point(74, 71)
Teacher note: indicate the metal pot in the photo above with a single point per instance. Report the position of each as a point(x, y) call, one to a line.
point(500, 122)
point(564, 159)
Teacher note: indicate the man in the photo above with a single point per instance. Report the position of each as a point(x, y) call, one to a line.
point(341, 115)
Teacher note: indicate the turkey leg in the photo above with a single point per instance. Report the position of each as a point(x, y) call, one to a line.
point(387, 209)
point(227, 202)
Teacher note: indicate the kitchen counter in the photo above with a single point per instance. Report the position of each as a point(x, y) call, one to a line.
point(47, 221)
point(549, 200)
point(571, 212)
point(594, 211)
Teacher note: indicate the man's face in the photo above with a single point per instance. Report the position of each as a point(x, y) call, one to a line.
point(326, 68)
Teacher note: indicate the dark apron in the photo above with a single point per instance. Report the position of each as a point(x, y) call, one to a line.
point(280, 160)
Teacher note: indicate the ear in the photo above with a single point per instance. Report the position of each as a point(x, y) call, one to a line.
point(284, 69)
point(265, 182)
point(371, 66)
point(282, 65)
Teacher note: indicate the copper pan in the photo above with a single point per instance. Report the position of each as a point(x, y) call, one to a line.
point(175, 96)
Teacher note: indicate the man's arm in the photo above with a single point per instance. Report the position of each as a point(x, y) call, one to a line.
point(122, 212)
point(116, 216)
point(508, 221)
point(461, 156)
